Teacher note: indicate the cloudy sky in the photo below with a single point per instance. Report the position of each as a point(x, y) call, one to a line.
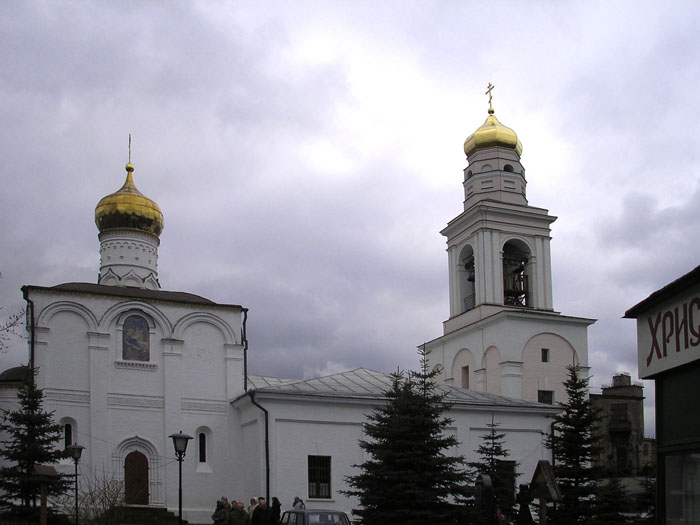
point(306, 155)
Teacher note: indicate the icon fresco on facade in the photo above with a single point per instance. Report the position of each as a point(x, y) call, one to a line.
point(135, 341)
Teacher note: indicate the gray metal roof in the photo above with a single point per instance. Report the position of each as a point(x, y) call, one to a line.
point(17, 374)
point(365, 383)
point(129, 292)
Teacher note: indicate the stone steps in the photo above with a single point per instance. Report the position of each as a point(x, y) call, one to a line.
point(140, 516)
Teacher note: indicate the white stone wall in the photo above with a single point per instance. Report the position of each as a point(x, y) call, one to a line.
point(300, 427)
point(195, 368)
point(503, 353)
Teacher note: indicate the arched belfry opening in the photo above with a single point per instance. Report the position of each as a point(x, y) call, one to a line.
point(467, 279)
point(516, 274)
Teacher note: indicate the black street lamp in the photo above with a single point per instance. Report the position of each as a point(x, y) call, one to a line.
point(75, 451)
point(180, 443)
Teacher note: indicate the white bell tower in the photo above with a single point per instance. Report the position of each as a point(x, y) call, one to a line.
point(503, 335)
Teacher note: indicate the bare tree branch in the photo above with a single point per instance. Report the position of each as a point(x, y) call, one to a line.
point(11, 328)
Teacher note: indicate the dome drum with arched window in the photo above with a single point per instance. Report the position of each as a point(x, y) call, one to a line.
point(494, 171)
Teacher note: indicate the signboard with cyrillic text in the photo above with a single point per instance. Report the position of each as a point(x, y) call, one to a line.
point(668, 335)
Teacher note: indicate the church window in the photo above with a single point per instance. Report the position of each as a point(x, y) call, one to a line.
point(487, 185)
point(545, 355)
point(202, 447)
point(67, 435)
point(508, 168)
point(319, 476)
point(545, 396)
point(486, 167)
point(465, 377)
point(135, 339)
point(469, 174)
point(509, 185)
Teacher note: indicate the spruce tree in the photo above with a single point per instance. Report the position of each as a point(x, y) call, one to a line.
point(493, 461)
point(32, 440)
point(610, 503)
point(574, 444)
point(408, 478)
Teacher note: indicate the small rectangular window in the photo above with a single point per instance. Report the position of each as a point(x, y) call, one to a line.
point(619, 412)
point(509, 184)
point(67, 435)
point(545, 396)
point(319, 476)
point(202, 447)
point(545, 355)
point(465, 377)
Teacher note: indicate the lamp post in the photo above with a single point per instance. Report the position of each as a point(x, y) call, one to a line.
point(75, 451)
point(180, 441)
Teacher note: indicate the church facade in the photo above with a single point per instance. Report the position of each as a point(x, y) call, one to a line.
point(124, 363)
point(503, 335)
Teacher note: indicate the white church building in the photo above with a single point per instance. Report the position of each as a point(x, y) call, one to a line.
point(124, 363)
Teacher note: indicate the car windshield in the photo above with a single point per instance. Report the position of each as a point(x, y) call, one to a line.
point(329, 518)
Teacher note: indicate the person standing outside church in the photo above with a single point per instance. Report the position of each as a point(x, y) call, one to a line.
point(276, 508)
point(238, 515)
point(262, 515)
point(251, 507)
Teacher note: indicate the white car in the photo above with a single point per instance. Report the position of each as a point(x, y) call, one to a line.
point(314, 517)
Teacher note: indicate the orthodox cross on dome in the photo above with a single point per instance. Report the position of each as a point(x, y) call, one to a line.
point(488, 92)
point(129, 148)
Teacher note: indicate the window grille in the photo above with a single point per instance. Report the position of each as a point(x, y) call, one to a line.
point(319, 476)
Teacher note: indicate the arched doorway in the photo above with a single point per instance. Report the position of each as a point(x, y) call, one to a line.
point(136, 479)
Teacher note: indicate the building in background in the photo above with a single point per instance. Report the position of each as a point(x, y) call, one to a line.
point(668, 344)
point(624, 451)
point(503, 335)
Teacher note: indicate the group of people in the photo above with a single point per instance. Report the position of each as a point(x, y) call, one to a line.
point(257, 513)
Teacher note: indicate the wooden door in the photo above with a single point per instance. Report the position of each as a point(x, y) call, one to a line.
point(136, 479)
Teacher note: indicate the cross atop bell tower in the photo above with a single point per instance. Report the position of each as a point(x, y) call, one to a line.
point(489, 89)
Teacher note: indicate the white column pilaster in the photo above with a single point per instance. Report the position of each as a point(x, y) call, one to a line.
point(512, 378)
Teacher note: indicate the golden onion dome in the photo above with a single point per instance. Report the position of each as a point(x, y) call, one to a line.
point(492, 134)
point(129, 209)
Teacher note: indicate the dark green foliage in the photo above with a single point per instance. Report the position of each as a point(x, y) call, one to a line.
point(32, 440)
point(610, 503)
point(646, 501)
point(407, 478)
point(493, 461)
point(574, 444)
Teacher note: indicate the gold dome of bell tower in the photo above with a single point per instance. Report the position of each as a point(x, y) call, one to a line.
point(492, 134)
